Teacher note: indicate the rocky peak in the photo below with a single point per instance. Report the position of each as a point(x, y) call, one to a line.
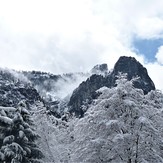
point(100, 69)
point(130, 66)
point(133, 68)
point(84, 94)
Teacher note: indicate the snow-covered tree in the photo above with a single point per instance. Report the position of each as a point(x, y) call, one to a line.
point(120, 126)
point(17, 138)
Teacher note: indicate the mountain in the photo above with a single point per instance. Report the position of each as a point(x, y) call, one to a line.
point(55, 89)
point(121, 116)
point(52, 90)
point(86, 92)
point(48, 84)
point(73, 91)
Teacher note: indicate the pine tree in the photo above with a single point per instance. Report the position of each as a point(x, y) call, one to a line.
point(18, 136)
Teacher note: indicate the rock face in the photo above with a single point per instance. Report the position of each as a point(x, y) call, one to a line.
point(84, 94)
point(100, 69)
point(55, 89)
point(133, 68)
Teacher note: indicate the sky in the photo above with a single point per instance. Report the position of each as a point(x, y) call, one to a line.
point(60, 36)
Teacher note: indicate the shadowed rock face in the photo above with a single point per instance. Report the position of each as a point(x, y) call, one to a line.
point(133, 68)
point(84, 94)
point(100, 69)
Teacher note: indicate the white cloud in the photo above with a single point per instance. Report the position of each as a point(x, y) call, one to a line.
point(155, 72)
point(66, 18)
point(149, 27)
point(159, 55)
point(133, 17)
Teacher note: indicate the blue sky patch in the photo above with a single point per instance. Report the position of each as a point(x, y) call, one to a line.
point(147, 47)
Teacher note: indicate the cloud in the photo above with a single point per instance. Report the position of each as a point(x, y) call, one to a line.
point(66, 86)
point(132, 16)
point(159, 55)
point(155, 72)
point(49, 36)
point(48, 54)
point(67, 18)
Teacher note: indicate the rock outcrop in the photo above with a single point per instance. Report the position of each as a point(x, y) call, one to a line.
point(101, 69)
point(86, 91)
point(133, 68)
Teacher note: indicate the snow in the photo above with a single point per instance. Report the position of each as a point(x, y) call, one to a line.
point(118, 138)
point(111, 122)
point(110, 130)
point(6, 120)
point(143, 120)
point(2, 156)
point(8, 139)
point(21, 134)
point(129, 102)
point(16, 135)
point(102, 89)
point(114, 129)
point(25, 111)
point(8, 109)
point(16, 146)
